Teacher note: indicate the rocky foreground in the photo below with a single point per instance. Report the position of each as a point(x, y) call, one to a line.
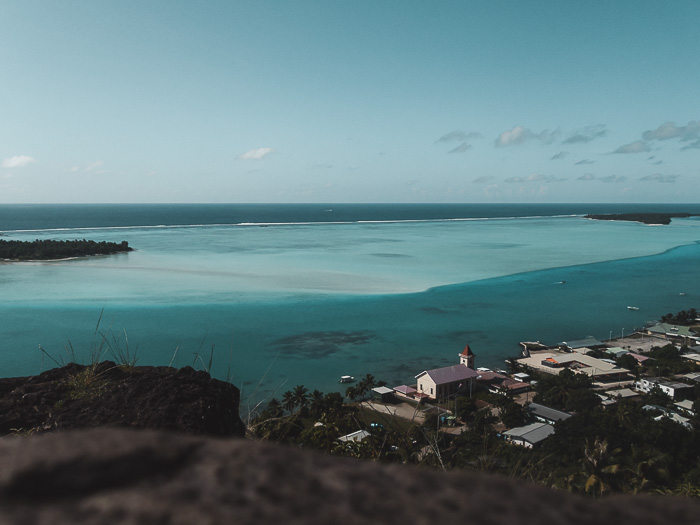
point(122, 476)
point(125, 472)
point(78, 396)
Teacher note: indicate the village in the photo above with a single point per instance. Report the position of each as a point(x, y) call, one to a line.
point(588, 416)
point(597, 360)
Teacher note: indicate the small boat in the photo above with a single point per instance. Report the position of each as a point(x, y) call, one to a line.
point(346, 379)
point(632, 308)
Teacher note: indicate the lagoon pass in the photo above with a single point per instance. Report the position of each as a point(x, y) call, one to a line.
point(282, 295)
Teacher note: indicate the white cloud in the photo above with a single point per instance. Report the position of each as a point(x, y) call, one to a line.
point(255, 154)
point(517, 135)
point(18, 161)
point(658, 177)
point(484, 179)
point(520, 135)
point(638, 146)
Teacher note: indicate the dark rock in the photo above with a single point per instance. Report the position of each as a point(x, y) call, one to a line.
point(120, 476)
point(77, 396)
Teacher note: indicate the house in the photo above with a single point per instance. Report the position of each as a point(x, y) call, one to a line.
point(693, 376)
point(673, 389)
point(596, 369)
point(621, 393)
point(670, 331)
point(448, 381)
point(582, 345)
point(356, 436)
point(616, 351)
point(382, 393)
point(610, 397)
point(640, 358)
point(498, 383)
point(685, 406)
point(404, 391)
point(545, 414)
point(676, 418)
point(529, 435)
point(693, 356)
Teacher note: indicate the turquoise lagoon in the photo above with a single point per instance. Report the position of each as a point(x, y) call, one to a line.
point(302, 302)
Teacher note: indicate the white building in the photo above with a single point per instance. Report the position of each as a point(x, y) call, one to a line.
point(672, 389)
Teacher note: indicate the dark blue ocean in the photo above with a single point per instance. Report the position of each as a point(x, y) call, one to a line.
point(280, 295)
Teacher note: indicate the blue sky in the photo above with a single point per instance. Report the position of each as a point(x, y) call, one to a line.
point(357, 101)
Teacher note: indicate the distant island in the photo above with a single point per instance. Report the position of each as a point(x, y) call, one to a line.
point(43, 250)
point(645, 218)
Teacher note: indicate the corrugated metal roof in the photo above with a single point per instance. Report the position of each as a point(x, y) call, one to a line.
point(547, 412)
point(358, 435)
point(532, 433)
point(449, 374)
point(582, 343)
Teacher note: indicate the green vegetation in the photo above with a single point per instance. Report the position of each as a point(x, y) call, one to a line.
point(41, 250)
point(684, 317)
point(86, 384)
point(598, 451)
point(646, 218)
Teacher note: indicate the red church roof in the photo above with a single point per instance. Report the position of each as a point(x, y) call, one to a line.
point(467, 351)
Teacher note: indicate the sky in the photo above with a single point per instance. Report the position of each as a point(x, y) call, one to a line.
point(349, 101)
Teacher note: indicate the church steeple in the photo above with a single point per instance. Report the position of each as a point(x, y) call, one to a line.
point(467, 357)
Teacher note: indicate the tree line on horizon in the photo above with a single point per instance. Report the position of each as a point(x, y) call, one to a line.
point(48, 249)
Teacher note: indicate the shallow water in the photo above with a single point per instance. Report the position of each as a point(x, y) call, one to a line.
point(305, 303)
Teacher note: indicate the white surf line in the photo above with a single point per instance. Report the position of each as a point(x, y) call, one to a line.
point(299, 223)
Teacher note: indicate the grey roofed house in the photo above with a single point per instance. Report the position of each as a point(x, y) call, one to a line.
point(692, 356)
point(531, 434)
point(546, 414)
point(450, 374)
point(440, 383)
point(382, 393)
point(693, 376)
point(356, 436)
point(617, 351)
point(589, 342)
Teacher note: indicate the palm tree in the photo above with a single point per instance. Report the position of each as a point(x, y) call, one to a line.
point(365, 385)
point(274, 408)
point(316, 403)
point(601, 467)
point(351, 393)
point(288, 401)
point(300, 394)
point(649, 471)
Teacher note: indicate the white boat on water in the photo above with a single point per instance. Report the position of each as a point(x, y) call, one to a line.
point(346, 379)
point(632, 308)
